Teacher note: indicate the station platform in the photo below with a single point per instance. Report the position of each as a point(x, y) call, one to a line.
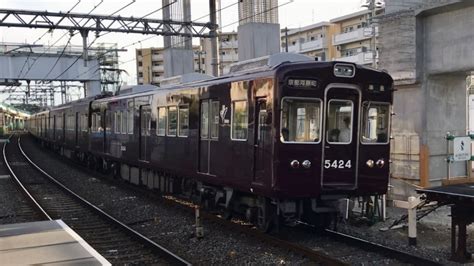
point(45, 242)
point(461, 199)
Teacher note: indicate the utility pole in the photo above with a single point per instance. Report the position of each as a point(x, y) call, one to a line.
point(373, 5)
point(286, 39)
point(213, 36)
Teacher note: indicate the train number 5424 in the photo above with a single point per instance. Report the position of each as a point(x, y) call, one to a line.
point(337, 164)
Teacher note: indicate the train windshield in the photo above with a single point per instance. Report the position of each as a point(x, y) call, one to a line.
point(375, 122)
point(339, 121)
point(301, 120)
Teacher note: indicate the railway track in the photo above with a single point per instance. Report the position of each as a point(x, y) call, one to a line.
point(375, 247)
point(15, 205)
point(323, 256)
point(114, 240)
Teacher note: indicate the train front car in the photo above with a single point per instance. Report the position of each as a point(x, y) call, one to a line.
point(333, 140)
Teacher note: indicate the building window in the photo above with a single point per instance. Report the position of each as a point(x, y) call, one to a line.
point(239, 120)
point(139, 52)
point(161, 121)
point(140, 63)
point(140, 74)
point(172, 120)
point(183, 121)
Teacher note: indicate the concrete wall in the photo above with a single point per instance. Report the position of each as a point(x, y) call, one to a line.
point(407, 129)
point(449, 39)
point(178, 61)
point(258, 39)
point(429, 52)
point(397, 46)
point(445, 107)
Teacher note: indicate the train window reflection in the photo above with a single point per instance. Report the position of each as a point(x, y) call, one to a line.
point(205, 120)
point(161, 121)
point(215, 119)
point(183, 121)
point(301, 120)
point(375, 122)
point(239, 120)
point(339, 122)
point(172, 120)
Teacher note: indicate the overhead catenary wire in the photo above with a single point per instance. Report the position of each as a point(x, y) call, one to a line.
point(148, 38)
point(50, 46)
point(137, 42)
point(59, 57)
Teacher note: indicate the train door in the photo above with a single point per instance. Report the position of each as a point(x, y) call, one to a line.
point(145, 124)
point(340, 151)
point(209, 134)
point(261, 137)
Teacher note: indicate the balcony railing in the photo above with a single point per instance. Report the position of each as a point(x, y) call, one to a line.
point(158, 68)
point(157, 57)
point(362, 58)
point(307, 46)
point(352, 36)
point(229, 44)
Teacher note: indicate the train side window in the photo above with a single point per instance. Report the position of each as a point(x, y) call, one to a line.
point(183, 121)
point(124, 122)
point(84, 123)
point(204, 120)
point(130, 121)
point(119, 122)
point(172, 121)
point(375, 123)
point(115, 122)
point(215, 119)
point(161, 130)
point(300, 120)
point(339, 122)
point(239, 120)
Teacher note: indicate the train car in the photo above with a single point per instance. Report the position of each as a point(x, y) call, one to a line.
point(11, 119)
point(280, 139)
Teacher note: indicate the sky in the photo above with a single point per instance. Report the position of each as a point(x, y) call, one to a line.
point(292, 14)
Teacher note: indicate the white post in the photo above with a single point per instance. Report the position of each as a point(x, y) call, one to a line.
point(412, 221)
point(199, 229)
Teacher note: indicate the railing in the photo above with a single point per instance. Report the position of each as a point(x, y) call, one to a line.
point(361, 58)
point(352, 36)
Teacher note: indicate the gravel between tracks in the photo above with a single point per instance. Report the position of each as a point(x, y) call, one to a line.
point(14, 206)
point(174, 229)
point(163, 224)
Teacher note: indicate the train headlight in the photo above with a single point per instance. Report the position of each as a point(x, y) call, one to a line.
point(295, 164)
point(370, 163)
point(380, 163)
point(306, 164)
point(344, 70)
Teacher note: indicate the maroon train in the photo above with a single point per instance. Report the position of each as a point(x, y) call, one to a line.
point(277, 139)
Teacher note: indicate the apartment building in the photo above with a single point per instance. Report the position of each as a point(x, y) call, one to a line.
point(314, 40)
point(354, 38)
point(150, 64)
point(347, 38)
point(228, 52)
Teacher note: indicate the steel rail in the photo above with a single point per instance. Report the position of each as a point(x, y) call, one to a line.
point(162, 250)
point(30, 197)
point(388, 251)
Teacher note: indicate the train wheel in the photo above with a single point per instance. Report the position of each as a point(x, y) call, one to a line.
point(267, 216)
